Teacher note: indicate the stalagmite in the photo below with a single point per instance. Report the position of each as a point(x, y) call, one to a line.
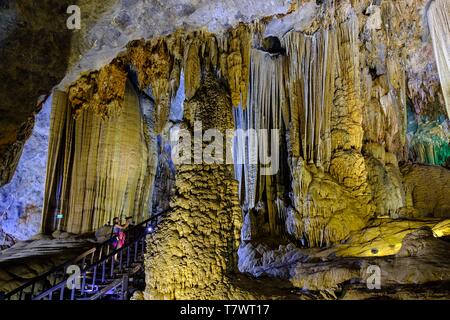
point(195, 247)
point(439, 23)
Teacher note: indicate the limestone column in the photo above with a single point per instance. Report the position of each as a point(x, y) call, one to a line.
point(194, 248)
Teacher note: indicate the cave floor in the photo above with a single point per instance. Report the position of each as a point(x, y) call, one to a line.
point(411, 259)
point(278, 289)
point(268, 288)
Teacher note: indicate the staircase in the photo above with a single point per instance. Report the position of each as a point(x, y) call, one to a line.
point(104, 273)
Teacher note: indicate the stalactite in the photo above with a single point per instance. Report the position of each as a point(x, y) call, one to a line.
point(60, 117)
point(307, 72)
point(237, 64)
point(310, 82)
point(347, 131)
point(439, 23)
point(325, 131)
point(176, 45)
point(397, 82)
point(160, 63)
point(98, 168)
point(430, 143)
point(155, 63)
point(310, 72)
point(193, 68)
point(265, 104)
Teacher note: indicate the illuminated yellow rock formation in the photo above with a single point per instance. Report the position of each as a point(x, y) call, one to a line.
point(327, 211)
point(326, 132)
point(347, 132)
point(192, 68)
point(385, 183)
point(154, 64)
point(310, 83)
point(98, 168)
point(195, 246)
point(405, 253)
point(384, 237)
point(238, 64)
point(441, 229)
point(426, 201)
point(102, 92)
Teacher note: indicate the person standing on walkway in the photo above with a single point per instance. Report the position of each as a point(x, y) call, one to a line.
point(118, 233)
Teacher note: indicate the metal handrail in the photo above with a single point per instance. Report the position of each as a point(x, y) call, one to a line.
point(119, 282)
point(100, 247)
point(62, 285)
point(58, 269)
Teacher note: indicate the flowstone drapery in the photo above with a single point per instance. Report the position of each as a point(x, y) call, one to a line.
point(99, 167)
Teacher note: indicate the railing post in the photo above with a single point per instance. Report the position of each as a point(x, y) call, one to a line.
point(103, 271)
point(120, 259)
point(112, 266)
point(32, 290)
point(128, 256)
point(61, 294)
point(94, 276)
point(100, 254)
point(92, 257)
point(83, 283)
point(125, 287)
point(72, 293)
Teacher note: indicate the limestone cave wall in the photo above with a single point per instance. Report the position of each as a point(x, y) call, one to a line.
point(353, 96)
